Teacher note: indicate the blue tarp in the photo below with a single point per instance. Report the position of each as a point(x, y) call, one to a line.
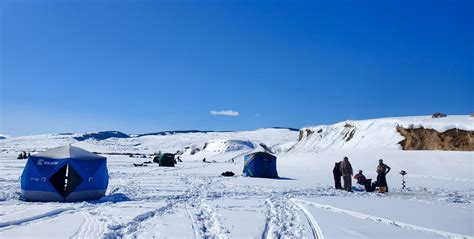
point(260, 164)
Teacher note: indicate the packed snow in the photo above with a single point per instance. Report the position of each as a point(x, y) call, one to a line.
point(192, 200)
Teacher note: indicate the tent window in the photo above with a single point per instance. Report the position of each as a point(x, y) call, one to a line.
point(65, 180)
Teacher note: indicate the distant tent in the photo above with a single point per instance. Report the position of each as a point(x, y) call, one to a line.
point(65, 173)
point(165, 160)
point(260, 164)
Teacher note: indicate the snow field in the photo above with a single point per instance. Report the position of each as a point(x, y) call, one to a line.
point(192, 200)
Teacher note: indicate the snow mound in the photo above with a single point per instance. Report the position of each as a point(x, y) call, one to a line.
point(374, 133)
point(223, 145)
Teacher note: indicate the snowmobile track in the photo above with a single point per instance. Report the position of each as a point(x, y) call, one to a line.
point(383, 220)
point(317, 232)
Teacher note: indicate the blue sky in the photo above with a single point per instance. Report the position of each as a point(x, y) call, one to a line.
point(144, 66)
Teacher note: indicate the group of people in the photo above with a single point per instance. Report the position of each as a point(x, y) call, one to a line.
point(344, 169)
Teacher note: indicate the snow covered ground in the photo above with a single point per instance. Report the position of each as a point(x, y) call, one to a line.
point(192, 200)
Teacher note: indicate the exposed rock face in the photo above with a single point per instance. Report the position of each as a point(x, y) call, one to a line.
point(438, 115)
point(305, 133)
point(429, 139)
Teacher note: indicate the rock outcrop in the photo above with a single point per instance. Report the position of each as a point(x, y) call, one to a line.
point(429, 139)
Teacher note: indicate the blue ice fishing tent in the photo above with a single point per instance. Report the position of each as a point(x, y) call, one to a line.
point(260, 164)
point(64, 174)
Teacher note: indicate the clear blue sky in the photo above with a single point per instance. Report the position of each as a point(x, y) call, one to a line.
point(144, 66)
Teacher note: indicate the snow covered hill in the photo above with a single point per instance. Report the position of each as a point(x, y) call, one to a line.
point(375, 133)
point(347, 135)
point(217, 142)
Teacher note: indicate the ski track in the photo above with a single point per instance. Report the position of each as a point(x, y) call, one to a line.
point(91, 227)
point(193, 223)
point(383, 220)
point(41, 216)
point(317, 232)
point(282, 219)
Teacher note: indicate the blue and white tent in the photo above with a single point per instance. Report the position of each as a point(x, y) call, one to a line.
point(65, 173)
point(260, 164)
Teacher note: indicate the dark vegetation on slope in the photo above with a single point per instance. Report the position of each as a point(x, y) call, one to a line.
point(290, 129)
point(172, 132)
point(429, 139)
point(102, 135)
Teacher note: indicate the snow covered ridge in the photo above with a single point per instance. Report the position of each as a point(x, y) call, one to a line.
point(2, 136)
point(384, 133)
point(234, 142)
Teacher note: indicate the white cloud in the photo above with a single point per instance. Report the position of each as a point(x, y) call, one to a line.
point(226, 113)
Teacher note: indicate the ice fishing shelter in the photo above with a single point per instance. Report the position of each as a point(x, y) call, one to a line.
point(260, 164)
point(64, 173)
point(166, 160)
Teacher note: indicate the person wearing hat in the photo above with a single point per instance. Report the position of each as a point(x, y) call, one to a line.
point(346, 171)
point(382, 170)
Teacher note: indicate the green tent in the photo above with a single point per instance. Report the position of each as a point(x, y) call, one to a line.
point(165, 160)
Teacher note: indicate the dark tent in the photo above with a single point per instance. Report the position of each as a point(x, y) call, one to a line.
point(260, 164)
point(65, 173)
point(165, 160)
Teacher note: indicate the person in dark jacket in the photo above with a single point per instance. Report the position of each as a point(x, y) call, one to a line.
point(366, 182)
point(337, 175)
point(360, 177)
point(346, 171)
point(382, 170)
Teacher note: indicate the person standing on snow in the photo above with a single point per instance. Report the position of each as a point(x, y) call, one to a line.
point(382, 170)
point(337, 175)
point(346, 171)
